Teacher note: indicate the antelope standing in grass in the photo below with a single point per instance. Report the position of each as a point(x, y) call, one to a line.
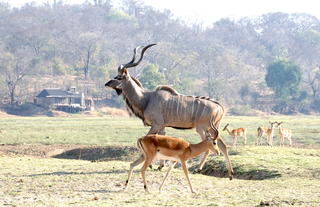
point(235, 133)
point(169, 148)
point(165, 107)
point(266, 131)
point(284, 134)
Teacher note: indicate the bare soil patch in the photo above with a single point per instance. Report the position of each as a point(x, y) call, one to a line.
point(35, 150)
point(81, 152)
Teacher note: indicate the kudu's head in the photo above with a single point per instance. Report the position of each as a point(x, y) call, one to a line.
point(118, 82)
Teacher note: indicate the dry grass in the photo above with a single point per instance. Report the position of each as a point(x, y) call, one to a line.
point(44, 181)
point(113, 111)
point(265, 176)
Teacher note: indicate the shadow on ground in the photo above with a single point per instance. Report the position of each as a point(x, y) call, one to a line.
point(217, 168)
point(213, 167)
point(100, 153)
point(64, 173)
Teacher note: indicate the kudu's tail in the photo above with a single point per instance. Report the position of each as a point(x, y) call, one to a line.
point(214, 129)
point(215, 120)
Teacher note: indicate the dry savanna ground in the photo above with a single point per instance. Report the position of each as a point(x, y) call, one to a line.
point(83, 161)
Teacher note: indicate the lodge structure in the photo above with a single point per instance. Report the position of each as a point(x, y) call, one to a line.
point(70, 100)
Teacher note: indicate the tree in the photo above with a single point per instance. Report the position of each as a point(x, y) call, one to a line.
point(283, 77)
point(151, 77)
point(14, 69)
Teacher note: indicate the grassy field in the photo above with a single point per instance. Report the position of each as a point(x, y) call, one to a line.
point(264, 176)
point(125, 131)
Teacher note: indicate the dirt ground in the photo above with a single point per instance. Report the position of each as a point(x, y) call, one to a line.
point(81, 152)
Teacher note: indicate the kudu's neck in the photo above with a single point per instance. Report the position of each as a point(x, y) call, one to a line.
point(135, 96)
point(197, 149)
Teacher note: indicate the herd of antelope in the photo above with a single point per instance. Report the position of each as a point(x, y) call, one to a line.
point(165, 107)
point(262, 131)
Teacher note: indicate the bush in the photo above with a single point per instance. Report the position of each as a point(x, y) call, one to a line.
point(242, 111)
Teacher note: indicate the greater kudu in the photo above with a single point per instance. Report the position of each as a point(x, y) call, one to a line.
point(165, 107)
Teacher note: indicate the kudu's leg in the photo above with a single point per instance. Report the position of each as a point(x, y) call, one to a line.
point(168, 172)
point(133, 165)
point(223, 147)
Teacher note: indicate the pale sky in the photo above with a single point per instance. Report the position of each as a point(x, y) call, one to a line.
point(209, 11)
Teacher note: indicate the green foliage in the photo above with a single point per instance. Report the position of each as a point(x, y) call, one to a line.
point(116, 15)
point(186, 85)
point(242, 110)
point(283, 77)
point(151, 77)
point(58, 67)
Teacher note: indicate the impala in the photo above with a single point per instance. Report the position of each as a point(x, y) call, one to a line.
point(165, 107)
point(235, 133)
point(266, 131)
point(284, 134)
point(170, 148)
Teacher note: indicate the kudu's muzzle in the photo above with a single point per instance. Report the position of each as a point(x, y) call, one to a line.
point(111, 84)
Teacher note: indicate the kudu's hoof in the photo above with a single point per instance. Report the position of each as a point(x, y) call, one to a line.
point(196, 171)
point(231, 176)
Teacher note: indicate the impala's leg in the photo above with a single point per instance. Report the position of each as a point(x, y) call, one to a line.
point(235, 139)
point(290, 141)
point(223, 147)
point(204, 158)
point(258, 140)
point(162, 162)
point(147, 162)
point(270, 140)
point(157, 129)
point(169, 170)
point(185, 170)
point(245, 139)
point(133, 165)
